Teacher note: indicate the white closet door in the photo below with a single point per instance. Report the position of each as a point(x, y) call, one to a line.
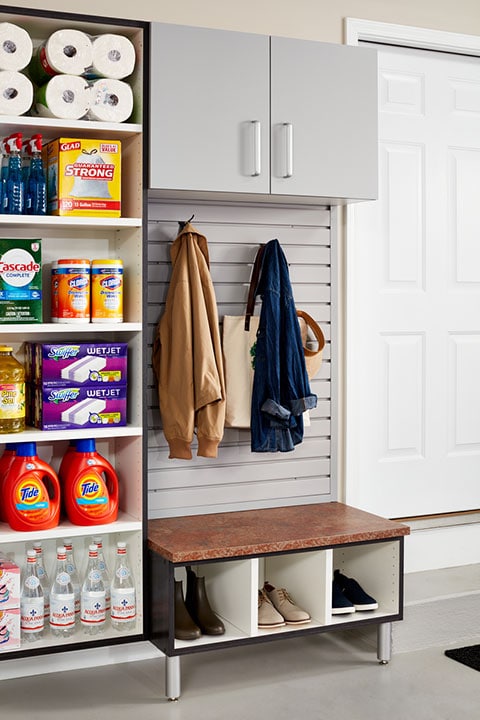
point(413, 329)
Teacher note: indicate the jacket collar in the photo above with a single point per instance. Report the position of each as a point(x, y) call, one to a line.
point(186, 234)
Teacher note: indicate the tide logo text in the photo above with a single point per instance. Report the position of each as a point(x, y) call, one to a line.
point(89, 488)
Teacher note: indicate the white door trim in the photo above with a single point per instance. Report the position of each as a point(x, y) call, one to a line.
point(355, 31)
point(416, 37)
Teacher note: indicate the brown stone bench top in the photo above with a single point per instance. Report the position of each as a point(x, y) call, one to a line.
point(190, 538)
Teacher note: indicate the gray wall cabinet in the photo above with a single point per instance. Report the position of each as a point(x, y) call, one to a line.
point(241, 113)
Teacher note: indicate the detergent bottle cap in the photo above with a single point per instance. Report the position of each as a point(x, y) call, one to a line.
point(87, 445)
point(10, 446)
point(26, 449)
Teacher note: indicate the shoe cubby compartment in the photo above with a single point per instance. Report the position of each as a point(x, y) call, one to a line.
point(231, 591)
point(376, 567)
point(302, 575)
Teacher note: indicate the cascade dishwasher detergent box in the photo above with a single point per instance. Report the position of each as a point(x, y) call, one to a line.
point(83, 177)
point(20, 281)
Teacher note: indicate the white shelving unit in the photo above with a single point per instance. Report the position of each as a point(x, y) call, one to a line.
point(92, 238)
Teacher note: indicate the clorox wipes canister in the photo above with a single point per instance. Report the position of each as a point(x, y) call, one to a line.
point(31, 491)
point(90, 489)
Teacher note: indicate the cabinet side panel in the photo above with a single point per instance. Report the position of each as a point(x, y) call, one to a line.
point(159, 601)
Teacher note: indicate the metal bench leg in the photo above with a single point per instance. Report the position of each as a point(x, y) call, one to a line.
point(384, 643)
point(172, 677)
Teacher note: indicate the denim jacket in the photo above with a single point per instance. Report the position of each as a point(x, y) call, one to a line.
point(281, 388)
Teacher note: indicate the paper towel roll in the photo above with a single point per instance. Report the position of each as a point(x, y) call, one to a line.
point(64, 96)
point(15, 47)
point(111, 100)
point(113, 57)
point(16, 93)
point(65, 51)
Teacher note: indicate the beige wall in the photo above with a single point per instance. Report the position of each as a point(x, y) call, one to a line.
point(311, 19)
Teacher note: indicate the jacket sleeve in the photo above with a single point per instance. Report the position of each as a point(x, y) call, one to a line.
point(173, 358)
point(209, 384)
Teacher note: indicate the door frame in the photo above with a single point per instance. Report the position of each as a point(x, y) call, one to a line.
point(355, 31)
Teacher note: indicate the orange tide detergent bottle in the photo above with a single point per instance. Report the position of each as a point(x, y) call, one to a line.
point(5, 462)
point(90, 487)
point(31, 491)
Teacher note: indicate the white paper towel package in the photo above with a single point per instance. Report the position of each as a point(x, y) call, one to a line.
point(65, 51)
point(16, 47)
point(113, 57)
point(16, 93)
point(64, 96)
point(110, 100)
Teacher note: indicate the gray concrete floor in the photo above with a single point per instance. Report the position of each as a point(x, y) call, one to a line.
point(324, 677)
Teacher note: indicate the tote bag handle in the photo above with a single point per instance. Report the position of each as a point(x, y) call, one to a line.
point(252, 292)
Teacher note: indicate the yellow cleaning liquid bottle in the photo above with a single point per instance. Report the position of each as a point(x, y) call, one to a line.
point(12, 392)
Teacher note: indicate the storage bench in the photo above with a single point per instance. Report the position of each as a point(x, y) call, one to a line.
point(295, 547)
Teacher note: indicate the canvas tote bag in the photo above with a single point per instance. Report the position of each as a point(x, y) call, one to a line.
point(313, 358)
point(238, 341)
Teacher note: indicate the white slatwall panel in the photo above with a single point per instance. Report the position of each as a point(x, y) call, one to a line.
point(239, 479)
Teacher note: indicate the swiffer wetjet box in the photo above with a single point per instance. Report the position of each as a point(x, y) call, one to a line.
point(70, 364)
point(64, 408)
point(83, 177)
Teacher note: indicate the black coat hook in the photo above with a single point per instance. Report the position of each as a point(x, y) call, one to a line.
point(182, 223)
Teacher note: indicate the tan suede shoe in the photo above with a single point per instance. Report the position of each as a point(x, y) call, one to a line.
point(282, 602)
point(268, 617)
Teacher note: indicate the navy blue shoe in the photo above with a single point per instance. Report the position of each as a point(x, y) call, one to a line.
point(340, 604)
point(354, 592)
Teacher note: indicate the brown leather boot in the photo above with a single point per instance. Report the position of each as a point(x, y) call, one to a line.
point(185, 628)
point(199, 608)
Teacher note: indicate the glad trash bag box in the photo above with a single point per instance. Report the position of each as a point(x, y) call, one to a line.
point(83, 177)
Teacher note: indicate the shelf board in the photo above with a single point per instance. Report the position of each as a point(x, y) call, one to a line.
point(54, 127)
point(35, 435)
point(48, 641)
point(125, 523)
point(73, 329)
point(54, 221)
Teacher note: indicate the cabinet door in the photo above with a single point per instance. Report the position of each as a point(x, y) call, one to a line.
point(209, 122)
point(324, 120)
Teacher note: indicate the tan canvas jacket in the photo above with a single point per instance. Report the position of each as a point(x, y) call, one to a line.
point(187, 355)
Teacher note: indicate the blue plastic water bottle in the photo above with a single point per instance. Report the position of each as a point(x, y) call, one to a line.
point(15, 191)
point(36, 187)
